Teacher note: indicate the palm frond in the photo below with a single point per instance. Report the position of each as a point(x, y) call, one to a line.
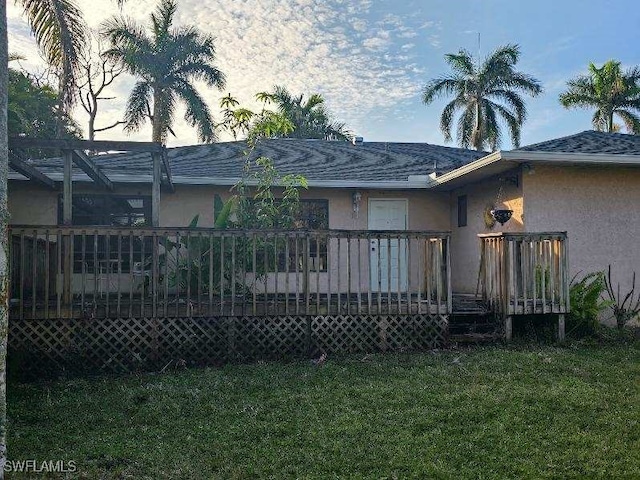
point(465, 127)
point(513, 122)
point(491, 128)
point(197, 113)
point(461, 62)
point(631, 120)
point(446, 119)
point(60, 32)
point(162, 18)
point(138, 106)
point(439, 87)
point(205, 72)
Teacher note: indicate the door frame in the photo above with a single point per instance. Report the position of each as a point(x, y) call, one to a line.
point(403, 282)
point(374, 199)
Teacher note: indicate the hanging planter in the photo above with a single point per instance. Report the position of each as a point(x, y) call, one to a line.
point(501, 216)
point(487, 215)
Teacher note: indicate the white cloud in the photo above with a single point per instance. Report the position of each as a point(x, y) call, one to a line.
point(307, 45)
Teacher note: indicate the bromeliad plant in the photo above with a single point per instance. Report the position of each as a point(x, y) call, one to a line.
point(625, 308)
point(586, 300)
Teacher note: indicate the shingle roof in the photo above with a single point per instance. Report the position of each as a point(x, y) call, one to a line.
point(315, 159)
point(589, 141)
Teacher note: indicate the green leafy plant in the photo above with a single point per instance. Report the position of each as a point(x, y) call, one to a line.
point(586, 303)
point(624, 308)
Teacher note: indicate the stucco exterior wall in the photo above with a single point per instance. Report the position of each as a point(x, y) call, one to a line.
point(465, 247)
point(598, 207)
point(32, 205)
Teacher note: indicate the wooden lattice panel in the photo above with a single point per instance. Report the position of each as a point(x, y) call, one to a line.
point(372, 333)
point(270, 337)
point(126, 344)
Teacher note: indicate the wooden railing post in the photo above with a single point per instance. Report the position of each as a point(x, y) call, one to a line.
point(67, 215)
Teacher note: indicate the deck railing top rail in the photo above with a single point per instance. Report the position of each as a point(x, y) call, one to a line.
point(227, 231)
point(523, 235)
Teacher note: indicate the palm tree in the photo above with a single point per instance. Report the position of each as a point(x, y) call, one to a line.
point(484, 93)
point(4, 241)
point(611, 92)
point(167, 63)
point(60, 32)
point(309, 117)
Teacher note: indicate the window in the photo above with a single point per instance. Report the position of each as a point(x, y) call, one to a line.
point(92, 252)
point(313, 215)
point(462, 211)
point(109, 210)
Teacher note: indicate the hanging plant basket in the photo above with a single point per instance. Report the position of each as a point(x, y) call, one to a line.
point(501, 216)
point(489, 221)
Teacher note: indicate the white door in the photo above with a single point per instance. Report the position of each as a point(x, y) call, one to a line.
point(388, 257)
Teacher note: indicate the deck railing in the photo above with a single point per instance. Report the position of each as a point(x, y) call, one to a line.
point(524, 273)
point(108, 272)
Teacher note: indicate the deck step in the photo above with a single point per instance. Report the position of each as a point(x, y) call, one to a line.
point(465, 304)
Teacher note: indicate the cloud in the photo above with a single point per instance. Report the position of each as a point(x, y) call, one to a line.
point(308, 45)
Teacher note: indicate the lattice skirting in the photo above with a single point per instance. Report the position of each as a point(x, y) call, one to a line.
point(38, 347)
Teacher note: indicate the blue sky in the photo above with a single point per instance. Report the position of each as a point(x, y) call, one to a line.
point(370, 58)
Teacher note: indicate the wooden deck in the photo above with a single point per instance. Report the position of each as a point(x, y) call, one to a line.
point(269, 305)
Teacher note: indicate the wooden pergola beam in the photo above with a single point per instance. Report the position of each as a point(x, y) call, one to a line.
point(97, 145)
point(30, 172)
point(166, 168)
point(87, 165)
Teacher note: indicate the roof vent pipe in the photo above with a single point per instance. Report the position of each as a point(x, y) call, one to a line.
point(357, 140)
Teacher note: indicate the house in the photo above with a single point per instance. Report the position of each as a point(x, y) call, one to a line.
point(390, 230)
point(586, 184)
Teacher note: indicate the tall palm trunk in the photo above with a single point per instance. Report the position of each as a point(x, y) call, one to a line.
point(157, 133)
point(4, 218)
point(610, 119)
point(477, 131)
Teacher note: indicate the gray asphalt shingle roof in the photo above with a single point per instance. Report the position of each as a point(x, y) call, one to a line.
point(315, 159)
point(589, 141)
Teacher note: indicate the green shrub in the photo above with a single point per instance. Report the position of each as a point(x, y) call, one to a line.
point(586, 301)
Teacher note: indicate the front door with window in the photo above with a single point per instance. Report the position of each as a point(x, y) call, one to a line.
point(388, 257)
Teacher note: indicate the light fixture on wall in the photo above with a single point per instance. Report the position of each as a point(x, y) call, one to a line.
point(356, 199)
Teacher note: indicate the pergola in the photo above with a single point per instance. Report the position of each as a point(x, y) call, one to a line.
point(73, 151)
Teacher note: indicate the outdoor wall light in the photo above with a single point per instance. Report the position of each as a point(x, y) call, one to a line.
point(356, 199)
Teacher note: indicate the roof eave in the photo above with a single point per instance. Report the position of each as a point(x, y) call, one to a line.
point(230, 181)
point(501, 161)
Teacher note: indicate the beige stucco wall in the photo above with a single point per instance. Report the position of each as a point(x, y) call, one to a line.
point(32, 205)
point(598, 207)
point(465, 249)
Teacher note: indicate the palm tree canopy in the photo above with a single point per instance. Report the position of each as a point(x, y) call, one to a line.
point(611, 92)
point(167, 61)
point(60, 32)
point(484, 94)
point(310, 118)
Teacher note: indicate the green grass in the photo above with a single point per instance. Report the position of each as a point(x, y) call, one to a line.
point(486, 413)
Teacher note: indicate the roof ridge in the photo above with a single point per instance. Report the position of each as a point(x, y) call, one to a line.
point(557, 139)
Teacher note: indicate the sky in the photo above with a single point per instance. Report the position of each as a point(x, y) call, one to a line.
point(371, 58)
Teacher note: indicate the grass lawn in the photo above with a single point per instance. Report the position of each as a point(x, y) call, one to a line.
point(493, 412)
